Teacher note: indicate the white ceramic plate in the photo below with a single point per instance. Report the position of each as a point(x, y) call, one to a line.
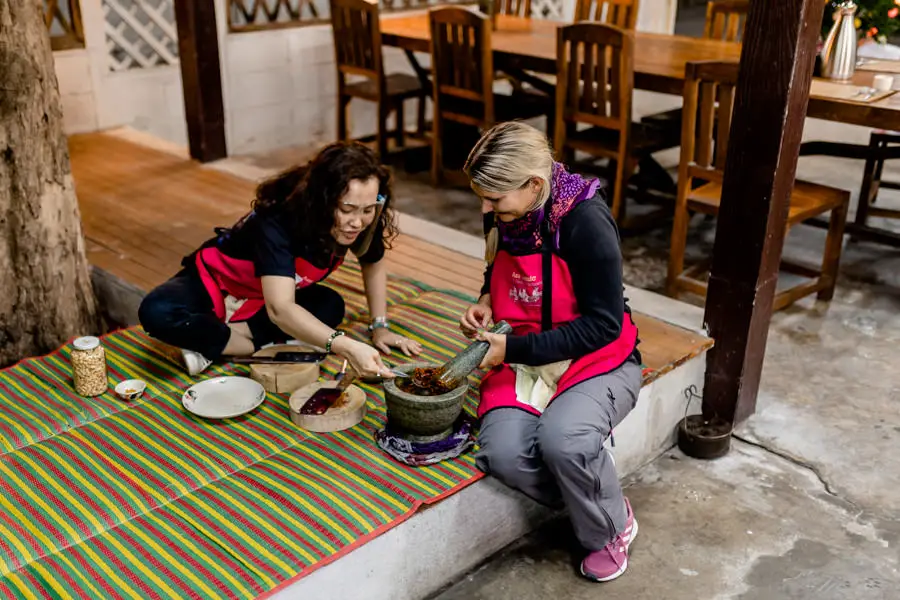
point(223, 397)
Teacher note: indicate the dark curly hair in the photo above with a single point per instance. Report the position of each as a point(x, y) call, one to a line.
point(307, 195)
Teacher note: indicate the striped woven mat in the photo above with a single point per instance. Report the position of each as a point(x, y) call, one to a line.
point(107, 499)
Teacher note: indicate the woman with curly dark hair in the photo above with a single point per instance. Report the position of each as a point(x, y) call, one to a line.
point(258, 282)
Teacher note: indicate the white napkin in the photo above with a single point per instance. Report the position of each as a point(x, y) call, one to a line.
point(535, 386)
point(232, 305)
point(870, 49)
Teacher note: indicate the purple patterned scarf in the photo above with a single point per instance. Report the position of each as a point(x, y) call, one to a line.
point(567, 190)
point(428, 453)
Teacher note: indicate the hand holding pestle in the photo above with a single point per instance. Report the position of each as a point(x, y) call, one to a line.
point(458, 368)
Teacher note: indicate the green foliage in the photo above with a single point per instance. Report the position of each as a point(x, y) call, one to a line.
point(875, 19)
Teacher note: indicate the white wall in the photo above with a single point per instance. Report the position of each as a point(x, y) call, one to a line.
point(657, 16)
point(279, 88)
point(95, 98)
point(76, 88)
point(148, 100)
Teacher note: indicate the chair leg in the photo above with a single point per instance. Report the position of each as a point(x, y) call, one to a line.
point(437, 158)
point(624, 170)
point(421, 116)
point(382, 135)
point(401, 125)
point(559, 139)
point(676, 251)
point(832, 258)
point(869, 184)
point(342, 103)
point(879, 169)
point(551, 123)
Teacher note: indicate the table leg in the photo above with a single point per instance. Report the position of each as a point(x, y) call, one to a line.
point(421, 73)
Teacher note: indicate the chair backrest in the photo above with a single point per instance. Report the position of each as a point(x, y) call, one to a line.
point(461, 61)
point(726, 19)
point(514, 8)
point(594, 75)
point(621, 13)
point(357, 38)
point(706, 121)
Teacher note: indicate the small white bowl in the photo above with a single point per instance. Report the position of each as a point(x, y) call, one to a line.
point(131, 389)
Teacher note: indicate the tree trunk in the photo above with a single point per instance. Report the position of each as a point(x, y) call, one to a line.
point(45, 285)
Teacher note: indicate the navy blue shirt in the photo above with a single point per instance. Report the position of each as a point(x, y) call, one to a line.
point(265, 238)
point(589, 244)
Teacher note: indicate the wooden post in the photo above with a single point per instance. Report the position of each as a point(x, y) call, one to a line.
point(198, 47)
point(770, 107)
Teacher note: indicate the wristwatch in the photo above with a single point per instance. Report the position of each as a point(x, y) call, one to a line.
point(379, 323)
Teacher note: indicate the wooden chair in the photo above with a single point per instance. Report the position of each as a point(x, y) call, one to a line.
point(621, 13)
point(872, 182)
point(726, 19)
point(357, 46)
point(514, 8)
point(708, 103)
point(594, 85)
point(463, 76)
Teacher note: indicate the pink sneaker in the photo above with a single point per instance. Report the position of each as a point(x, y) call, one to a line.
point(611, 561)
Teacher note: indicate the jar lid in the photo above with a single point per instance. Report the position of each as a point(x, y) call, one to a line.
point(88, 342)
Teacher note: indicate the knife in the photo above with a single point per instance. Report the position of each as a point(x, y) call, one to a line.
point(280, 358)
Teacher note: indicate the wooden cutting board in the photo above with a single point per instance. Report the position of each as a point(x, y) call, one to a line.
point(347, 411)
point(283, 379)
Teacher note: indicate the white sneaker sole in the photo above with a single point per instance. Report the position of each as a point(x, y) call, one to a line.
point(194, 362)
point(623, 568)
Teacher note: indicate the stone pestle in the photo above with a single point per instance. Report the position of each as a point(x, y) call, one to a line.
point(455, 370)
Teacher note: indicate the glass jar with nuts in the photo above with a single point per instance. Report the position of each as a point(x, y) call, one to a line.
point(89, 366)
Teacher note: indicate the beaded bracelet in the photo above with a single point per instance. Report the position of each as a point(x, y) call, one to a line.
point(331, 338)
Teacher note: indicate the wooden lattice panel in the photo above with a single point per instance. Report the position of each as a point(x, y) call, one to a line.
point(140, 34)
point(254, 15)
point(547, 9)
point(63, 20)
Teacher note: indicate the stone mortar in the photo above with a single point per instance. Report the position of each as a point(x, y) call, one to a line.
point(422, 418)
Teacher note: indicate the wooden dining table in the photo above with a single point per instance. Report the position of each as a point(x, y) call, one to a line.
point(521, 44)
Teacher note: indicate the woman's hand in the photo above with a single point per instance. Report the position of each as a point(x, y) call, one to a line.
point(364, 359)
point(384, 340)
point(478, 316)
point(496, 354)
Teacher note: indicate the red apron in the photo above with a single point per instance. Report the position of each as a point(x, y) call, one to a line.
point(226, 276)
point(516, 297)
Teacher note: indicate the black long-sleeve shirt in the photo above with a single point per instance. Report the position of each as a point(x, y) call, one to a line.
point(589, 243)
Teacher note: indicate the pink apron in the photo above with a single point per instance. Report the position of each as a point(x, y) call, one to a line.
point(226, 276)
point(516, 296)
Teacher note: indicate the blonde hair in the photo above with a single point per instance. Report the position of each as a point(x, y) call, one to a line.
point(506, 158)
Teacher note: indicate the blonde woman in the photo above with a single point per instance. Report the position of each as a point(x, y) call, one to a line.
point(571, 371)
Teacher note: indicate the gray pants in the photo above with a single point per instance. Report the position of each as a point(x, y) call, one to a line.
point(558, 459)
